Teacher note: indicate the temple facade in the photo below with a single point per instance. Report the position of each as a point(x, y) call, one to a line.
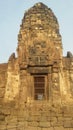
point(36, 87)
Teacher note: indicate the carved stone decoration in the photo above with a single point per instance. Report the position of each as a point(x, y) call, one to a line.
point(38, 54)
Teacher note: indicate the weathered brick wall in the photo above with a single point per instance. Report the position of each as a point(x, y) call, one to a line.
point(12, 84)
point(27, 114)
point(3, 78)
point(37, 116)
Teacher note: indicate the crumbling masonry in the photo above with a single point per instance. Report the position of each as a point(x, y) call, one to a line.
point(36, 87)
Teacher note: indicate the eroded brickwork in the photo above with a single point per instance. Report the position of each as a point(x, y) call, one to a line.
point(36, 87)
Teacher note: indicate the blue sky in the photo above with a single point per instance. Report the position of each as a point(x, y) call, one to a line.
point(11, 14)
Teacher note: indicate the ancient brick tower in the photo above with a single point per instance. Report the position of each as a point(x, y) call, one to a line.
point(36, 87)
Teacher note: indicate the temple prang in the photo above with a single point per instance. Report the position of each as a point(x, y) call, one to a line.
point(36, 87)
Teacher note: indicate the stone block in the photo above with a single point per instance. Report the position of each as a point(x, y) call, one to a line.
point(2, 117)
point(11, 119)
point(44, 128)
point(44, 124)
point(2, 127)
point(20, 124)
point(67, 118)
point(20, 128)
point(33, 118)
point(38, 128)
point(44, 118)
point(60, 128)
point(67, 124)
point(11, 126)
point(50, 128)
point(32, 128)
point(34, 124)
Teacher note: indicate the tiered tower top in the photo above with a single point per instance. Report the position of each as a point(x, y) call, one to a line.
point(39, 30)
